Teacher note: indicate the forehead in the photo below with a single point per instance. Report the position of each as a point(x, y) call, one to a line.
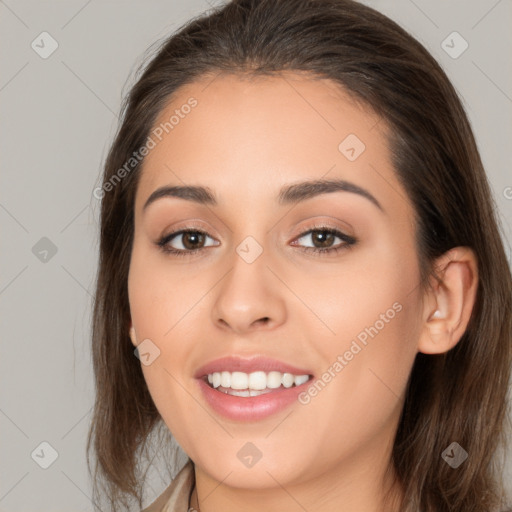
point(255, 134)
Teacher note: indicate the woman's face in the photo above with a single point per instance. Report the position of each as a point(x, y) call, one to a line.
point(255, 288)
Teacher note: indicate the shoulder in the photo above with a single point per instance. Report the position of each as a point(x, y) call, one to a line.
point(175, 497)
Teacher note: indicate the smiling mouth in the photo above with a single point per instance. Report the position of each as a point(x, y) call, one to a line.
point(253, 384)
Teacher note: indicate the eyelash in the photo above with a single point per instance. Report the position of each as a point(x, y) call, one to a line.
point(349, 241)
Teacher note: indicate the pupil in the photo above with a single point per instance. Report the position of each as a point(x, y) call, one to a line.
point(327, 238)
point(187, 237)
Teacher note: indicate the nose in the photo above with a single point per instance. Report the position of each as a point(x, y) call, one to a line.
point(249, 297)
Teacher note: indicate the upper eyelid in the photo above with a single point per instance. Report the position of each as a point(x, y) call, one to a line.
point(318, 227)
point(335, 224)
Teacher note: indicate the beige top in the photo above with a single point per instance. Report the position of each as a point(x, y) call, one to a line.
point(177, 496)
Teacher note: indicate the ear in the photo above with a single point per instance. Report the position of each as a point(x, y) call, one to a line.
point(133, 337)
point(449, 301)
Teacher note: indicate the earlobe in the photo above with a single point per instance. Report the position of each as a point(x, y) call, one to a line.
point(133, 336)
point(450, 301)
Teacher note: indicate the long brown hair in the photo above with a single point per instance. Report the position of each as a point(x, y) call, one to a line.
point(457, 396)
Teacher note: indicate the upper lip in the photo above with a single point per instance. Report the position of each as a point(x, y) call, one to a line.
point(248, 365)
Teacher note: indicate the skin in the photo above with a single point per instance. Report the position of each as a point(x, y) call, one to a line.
point(245, 140)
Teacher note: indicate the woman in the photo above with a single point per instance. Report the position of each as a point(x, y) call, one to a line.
point(299, 246)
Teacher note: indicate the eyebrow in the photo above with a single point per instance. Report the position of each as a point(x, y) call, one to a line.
point(289, 194)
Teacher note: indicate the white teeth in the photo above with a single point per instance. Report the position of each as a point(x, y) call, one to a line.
point(274, 380)
point(255, 382)
point(288, 380)
point(239, 380)
point(225, 379)
point(253, 392)
point(300, 379)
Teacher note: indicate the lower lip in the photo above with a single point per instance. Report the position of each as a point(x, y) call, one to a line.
point(252, 408)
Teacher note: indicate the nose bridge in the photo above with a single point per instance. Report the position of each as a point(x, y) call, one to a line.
point(247, 294)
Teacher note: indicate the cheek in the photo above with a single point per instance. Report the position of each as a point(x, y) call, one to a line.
point(365, 295)
point(160, 315)
point(164, 308)
point(372, 308)
point(366, 368)
point(160, 294)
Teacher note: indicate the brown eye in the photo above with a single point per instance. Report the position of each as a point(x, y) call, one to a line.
point(191, 239)
point(187, 240)
point(323, 238)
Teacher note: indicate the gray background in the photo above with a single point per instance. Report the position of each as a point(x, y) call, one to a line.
point(59, 116)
